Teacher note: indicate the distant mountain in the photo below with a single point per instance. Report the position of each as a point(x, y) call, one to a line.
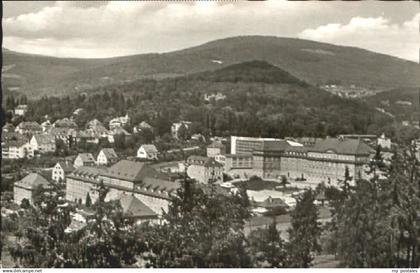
point(313, 62)
point(258, 99)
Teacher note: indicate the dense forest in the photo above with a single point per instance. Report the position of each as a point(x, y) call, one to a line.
point(261, 100)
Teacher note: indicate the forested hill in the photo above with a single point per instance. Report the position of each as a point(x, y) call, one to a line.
point(313, 62)
point(274, 104)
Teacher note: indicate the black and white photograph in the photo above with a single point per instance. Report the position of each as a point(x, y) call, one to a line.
point(210, 134)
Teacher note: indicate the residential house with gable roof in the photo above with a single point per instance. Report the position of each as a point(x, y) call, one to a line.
point(24, 189)
point(107, 156)
point(84, 159)
point(61, 170)
point(148, 151)
point(136, 210)
point(43, 143)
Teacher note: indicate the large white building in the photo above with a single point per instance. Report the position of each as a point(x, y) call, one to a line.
point(324, 161)
point(245, 145)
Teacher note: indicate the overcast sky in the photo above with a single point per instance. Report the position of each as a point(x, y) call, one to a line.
point(104, 29)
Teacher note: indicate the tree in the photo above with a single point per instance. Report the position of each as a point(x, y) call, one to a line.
point(25, 203)
point(183, 133)
point(267, 248)
point(284, 181)
point(88, 201)
point(200, 230)
point(304, 232)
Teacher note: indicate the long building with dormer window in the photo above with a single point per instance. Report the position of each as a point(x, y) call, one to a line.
point(148, 185)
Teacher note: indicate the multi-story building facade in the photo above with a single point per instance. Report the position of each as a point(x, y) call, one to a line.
point(203, 169)
point(324, 161)
point(148, 185)
point(246, 145)
point(15, 146)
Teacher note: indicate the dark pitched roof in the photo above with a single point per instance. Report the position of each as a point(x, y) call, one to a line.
point(131, 171)
point(66, 166)
point(109, 153)
point(203, 161)
point(86, 157)
point(32, 181)
point(342, 146)
point(44, 139)
point(134, 207)
point(30, 125)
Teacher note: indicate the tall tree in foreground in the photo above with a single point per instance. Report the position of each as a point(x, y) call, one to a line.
point(267, 248)
point(199, 230)
point(304, 232)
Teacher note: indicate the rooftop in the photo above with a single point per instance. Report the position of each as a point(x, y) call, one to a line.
point(110, 153)
point(44, 139)
point(203, 161)
point(32, 181)
point(133, 207)
point(149, 148)
point(342, 146)
point(86, 157)
point(132, 171)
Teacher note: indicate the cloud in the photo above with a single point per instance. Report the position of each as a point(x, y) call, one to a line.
point(376, 34)
point(103, 29)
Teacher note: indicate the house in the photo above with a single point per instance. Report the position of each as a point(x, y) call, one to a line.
point(60, 170)
point(142, 126)
point(273, 203)
point(177, 125)
point(384, 142)
point(148, 151)
point(107, 156)
point(24, 189)
point(28, 127)
point(67, 135)
point(21, 110)
point(43, 143)
point(46, 126)
point(65, 123)
point(8, 127)
point(216, 148)
point(203, 169)
point(15, 146)
point(136, 210)
point(119, 122)
point(84, 159)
